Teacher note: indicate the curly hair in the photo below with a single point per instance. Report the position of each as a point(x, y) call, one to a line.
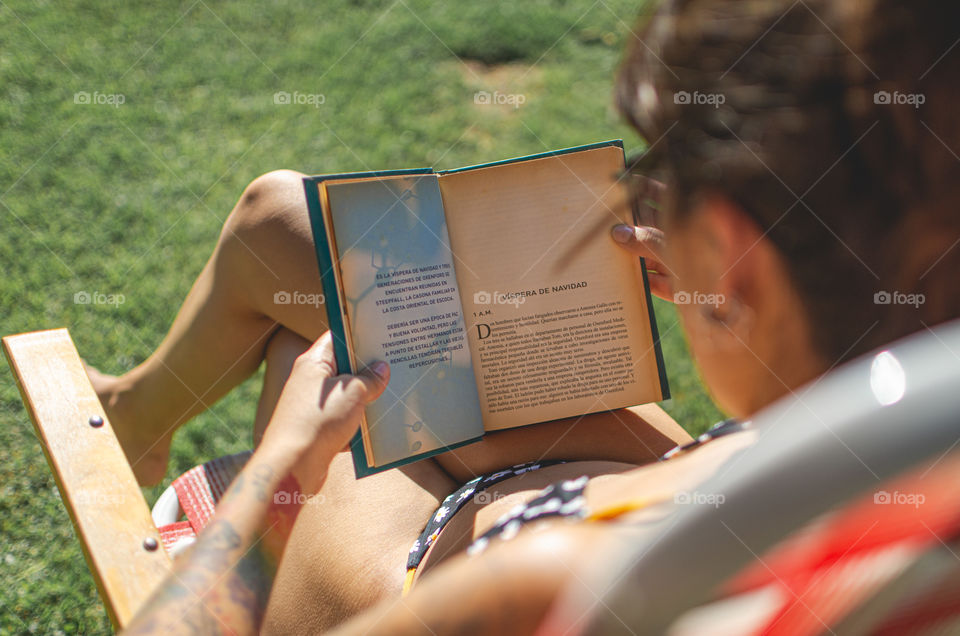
point(834, 126)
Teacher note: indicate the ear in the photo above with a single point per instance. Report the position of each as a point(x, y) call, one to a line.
point(745, 260)
point(750, 269)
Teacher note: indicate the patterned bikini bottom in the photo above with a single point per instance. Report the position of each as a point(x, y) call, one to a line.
point(560, 499)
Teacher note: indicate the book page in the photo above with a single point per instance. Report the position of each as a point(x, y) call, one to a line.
point(402, 306)
point(557, 320)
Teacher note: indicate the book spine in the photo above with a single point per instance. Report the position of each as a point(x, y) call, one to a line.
point(654, 330)
point(655, 334)
point(327, 278)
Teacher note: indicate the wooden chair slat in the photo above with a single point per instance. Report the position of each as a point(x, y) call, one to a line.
point(108, 510)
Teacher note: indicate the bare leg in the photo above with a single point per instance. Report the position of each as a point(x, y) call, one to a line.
point(349, 546)
point(219, 336)
point(221, 332)
point(635, 435)
point(228, 323)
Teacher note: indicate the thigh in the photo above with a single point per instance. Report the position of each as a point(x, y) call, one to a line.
point(349, 546)
point(348, 549)
point(635, 435)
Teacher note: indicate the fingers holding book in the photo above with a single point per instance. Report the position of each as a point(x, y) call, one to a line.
point(648, 243)
point(319, 410)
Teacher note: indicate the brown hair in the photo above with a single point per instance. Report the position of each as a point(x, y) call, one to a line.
point(771, 101)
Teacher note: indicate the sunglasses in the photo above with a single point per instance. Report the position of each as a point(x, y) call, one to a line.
point(644, 179)
point(644, 193)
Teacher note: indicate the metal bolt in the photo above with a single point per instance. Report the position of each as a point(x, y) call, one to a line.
point(96, 421)
point(150, 544)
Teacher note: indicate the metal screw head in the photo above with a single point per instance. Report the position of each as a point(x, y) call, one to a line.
point(150, 544)
point(96, 421)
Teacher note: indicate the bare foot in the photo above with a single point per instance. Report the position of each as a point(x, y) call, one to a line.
point(147, 449)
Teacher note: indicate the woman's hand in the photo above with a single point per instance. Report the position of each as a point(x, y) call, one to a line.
point(223, 584)
point(319, 411)
point(648, 240)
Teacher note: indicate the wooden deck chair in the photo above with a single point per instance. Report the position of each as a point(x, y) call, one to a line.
point(126, 553)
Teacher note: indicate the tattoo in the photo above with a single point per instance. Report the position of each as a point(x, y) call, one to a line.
point(250, 583)
point(223, 587)
point(262, 475)
point(202, 621)
point(214, 549)
point(173, 607)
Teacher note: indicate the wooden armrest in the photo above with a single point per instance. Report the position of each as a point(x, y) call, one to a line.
point(109, 513)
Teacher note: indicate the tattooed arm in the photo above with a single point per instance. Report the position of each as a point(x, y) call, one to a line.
point(223, 584)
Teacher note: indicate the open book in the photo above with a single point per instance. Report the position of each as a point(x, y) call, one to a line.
point(495, 293)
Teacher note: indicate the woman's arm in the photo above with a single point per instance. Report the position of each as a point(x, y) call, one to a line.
point(224, 583)
point(506, 590)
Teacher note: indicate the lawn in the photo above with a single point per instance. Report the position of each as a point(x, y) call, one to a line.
point(127, 130)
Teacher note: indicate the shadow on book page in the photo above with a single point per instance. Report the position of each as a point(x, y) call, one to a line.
point(403, 306)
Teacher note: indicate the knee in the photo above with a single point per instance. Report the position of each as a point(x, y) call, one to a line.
point(271, 206)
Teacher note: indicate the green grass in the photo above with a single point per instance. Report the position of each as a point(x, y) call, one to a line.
point(129, 199)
